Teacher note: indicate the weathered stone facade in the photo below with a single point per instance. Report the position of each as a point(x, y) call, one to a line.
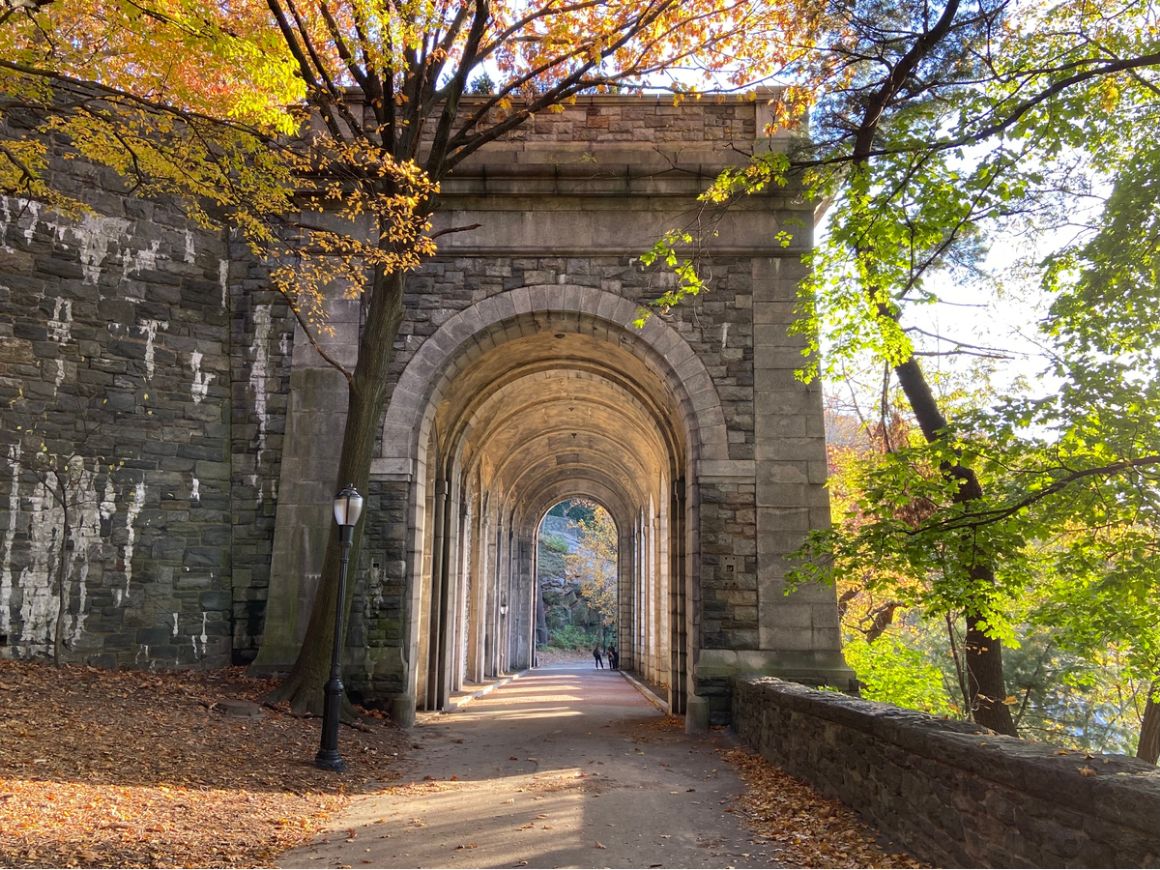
point(143, 361)
point(956, 794)
point(205, 428)
point(520, 380)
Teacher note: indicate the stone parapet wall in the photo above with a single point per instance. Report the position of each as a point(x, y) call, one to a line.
point(953, 793)
point(639, 119)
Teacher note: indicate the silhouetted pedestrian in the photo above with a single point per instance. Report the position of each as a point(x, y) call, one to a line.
point(598, 655)
point(613, 657)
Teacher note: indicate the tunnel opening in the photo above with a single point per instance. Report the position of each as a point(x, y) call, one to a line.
point(577, 575)
point(529, 412)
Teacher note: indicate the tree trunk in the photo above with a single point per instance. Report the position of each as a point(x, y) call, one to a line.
point(984, 659)
point(366, 404)
point(982, 655)
point(1149, 746)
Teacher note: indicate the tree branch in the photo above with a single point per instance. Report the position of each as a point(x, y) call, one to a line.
point(978, 519)
point(331, 361)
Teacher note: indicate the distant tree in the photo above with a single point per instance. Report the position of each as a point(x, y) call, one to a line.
point(593, 565)
point(481, 85)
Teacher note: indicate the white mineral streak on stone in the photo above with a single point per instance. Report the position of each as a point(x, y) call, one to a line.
point(376, 585)
point(190, 254)
point(5, 220)
point(224, 281)
point(60, 325)
point(86, 535)
point(60, 331)
point(201, 380)
point(108, 505)
point(204, 635)
point(256, 483)
point(132, 511)
point(94, 235)
point(9, 533)
point(33, 209)
point(142, 653)
point(724, 334)
point(175, 625)
point(195, 491)
point(260, 370)
point(149, 329)
point(39, 604)
point(140, 260)
point(284, 344)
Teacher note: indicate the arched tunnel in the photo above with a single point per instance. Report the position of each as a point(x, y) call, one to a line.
point(527, 411)
point(520, 380)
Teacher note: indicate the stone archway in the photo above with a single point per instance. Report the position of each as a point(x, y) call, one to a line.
point(533, 405)
point(438, 360)
point(696, 428)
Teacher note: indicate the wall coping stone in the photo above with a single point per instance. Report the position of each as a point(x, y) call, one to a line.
point(1122, 791)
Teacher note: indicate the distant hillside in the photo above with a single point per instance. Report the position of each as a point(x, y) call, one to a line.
point(562, 527)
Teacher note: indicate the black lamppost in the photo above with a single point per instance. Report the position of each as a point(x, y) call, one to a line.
point(348, 506)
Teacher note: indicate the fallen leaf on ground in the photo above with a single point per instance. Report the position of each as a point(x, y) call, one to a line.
point(131, 769)
point(803, 828)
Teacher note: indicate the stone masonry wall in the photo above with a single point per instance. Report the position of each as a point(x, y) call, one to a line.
point(261, 342)
point(955, 794)
point(377, 634)
point(139, 380)
point(445, 286)
point(636, 119)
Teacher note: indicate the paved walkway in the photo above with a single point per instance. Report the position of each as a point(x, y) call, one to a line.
point(565, 766)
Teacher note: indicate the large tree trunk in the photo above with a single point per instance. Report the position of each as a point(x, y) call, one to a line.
point(982, 655)
point(1149, 746)
point(365, 406)
point(984, 660)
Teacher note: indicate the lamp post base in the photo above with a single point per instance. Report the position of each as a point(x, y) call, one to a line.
point(329, 759)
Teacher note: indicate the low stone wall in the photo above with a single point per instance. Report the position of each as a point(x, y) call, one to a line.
point(953, 793)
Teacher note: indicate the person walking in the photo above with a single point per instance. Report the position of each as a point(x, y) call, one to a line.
point(613, 657)
point(598, 655)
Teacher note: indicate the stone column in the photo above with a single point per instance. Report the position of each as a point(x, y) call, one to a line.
point(626, 596)
point(799, 636)
point(314, 423)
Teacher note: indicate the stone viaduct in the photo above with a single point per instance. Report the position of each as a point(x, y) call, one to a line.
point(202, 425)
point(168, 439)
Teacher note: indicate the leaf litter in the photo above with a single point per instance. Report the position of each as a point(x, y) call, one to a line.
point(140, 769)
point(800, 826)
point(803, 828)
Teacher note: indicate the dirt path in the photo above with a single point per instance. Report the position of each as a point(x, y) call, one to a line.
point(566, 766)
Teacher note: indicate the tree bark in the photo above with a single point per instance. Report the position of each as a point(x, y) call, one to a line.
point(366, 403)
point(1149, 747)
point(982, 655)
